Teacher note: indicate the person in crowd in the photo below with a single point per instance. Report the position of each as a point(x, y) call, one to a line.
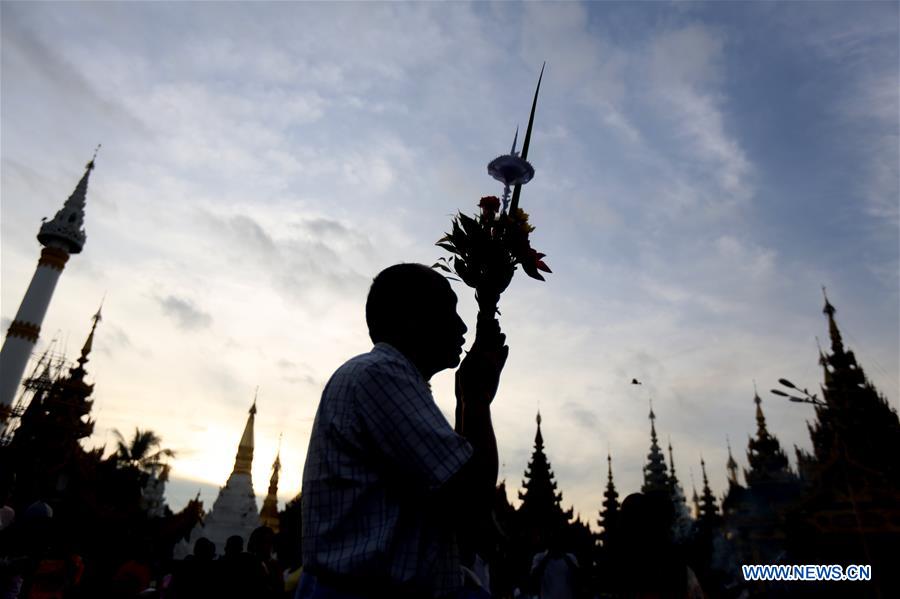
point(387, 481)
point(554, 573)
point(234, 547)
point(647, 563)
point(271, 583)
point(197, 574)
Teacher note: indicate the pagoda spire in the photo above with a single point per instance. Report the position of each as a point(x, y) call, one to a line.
point(709, 511)
point(610, 511)
point(61, 236)
point(853, 421)
point(88, 343)
point(761, 430)
point(731, 466)
point(767, 460)
point(541, 502)
point(682, 523)
point(243, 461)
point(66, 229)
point(655, 477)
point(695, 499)
point(268, 515)
point(837, 344)
point(673, 480)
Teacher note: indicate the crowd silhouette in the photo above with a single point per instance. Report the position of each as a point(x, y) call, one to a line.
point(77, 524)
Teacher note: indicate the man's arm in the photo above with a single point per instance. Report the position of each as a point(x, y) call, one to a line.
point(470, 492)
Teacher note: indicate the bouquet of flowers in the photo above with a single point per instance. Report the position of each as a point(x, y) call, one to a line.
point(486, 248)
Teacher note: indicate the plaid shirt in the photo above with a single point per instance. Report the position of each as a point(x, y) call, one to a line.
point(379, 446)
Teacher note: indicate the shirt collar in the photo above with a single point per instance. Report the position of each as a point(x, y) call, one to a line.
point(387, 349)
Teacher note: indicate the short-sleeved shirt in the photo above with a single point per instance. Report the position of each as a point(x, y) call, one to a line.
point(379, 448)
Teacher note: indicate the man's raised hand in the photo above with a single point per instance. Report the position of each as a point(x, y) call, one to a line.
point(478, 376)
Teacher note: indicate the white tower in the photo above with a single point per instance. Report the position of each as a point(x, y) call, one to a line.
point(61, 237)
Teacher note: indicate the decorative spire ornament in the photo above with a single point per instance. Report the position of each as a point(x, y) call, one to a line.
point(268, 515)
point(243, 461)
point(731, 466)
point(655, 477)
point(610, 511)
point(487, 248)
point(709, 511)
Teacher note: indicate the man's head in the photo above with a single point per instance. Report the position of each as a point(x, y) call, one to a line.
point(413, 308)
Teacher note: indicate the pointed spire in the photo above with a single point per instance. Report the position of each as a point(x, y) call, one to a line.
point(655, 476)
point(761, 431)
point(709, 511)
point(695, 499)
point(512, 151)
point(731, 465)
point(610, 509)
point(89, 342)
point(672, 476)
point(66, 229)
point(767, 460)
point(243, 461)
point(541, 502)
point(268, 515)
point(518, 188)
point(837, 345)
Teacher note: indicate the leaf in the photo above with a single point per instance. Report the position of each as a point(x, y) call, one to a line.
point(469, 225)
point(542, 266)
point(448, 246)
point(443, 267)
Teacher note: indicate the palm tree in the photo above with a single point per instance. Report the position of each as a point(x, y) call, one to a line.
point(143, 451)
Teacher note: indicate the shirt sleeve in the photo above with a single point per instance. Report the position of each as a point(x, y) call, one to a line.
point(407, 428)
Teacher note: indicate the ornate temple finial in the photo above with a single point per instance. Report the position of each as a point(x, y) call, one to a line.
point(655, 470)
point(609, 464)
point(708, 508)
point(761, 430)
point(525, 144)
point(837, 344)
point(512, 151)
point(538, 436)
point(243, 461)
point(671, 459)
point(89, 342)
point(731, 465)
point(66, 230)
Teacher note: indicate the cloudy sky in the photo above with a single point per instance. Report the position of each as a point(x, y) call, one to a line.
point(702, 170)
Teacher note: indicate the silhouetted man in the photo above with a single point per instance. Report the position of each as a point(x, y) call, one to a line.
point(387, 481)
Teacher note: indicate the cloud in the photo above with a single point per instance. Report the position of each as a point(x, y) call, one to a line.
point(685, 67)
point(185, 314)
point(315, 259)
